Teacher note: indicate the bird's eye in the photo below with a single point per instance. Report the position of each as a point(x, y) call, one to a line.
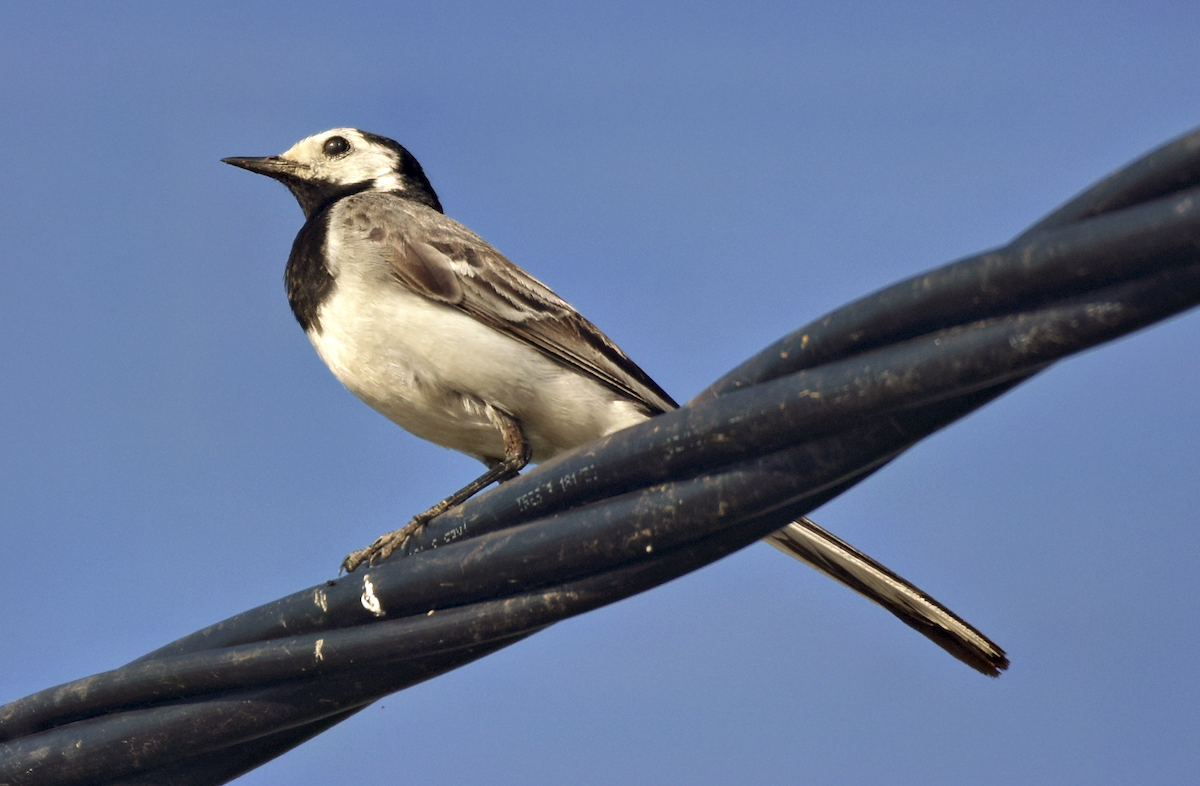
point(336, 146)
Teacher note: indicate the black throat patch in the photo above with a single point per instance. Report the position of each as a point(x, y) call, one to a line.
point(306, 277)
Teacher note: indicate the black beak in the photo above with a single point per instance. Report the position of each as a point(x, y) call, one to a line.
point(271, 166)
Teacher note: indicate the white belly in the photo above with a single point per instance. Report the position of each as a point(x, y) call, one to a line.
point(432, 369)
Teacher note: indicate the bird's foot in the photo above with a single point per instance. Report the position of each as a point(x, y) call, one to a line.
point(384, 545)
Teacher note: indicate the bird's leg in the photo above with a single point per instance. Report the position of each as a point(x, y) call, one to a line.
point(517, 453)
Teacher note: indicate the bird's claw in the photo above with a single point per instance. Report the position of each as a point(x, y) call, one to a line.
point(383, 547)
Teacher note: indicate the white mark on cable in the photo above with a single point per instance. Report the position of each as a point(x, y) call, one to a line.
point(321, 599)
point(369, 601)
point(317, 652)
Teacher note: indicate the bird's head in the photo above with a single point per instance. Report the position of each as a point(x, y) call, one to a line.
point(328, 166)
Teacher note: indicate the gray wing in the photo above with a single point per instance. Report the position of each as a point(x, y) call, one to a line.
point(444, 261)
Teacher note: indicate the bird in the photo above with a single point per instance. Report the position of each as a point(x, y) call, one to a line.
point(435, 329)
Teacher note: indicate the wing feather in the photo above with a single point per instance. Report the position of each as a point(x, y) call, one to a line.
point(450, 264)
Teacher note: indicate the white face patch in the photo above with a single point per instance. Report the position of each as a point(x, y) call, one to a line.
point(365, 161)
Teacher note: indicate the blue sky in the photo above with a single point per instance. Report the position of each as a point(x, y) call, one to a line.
point(698, 179)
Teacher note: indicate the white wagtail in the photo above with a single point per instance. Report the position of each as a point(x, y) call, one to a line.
point(423, 320)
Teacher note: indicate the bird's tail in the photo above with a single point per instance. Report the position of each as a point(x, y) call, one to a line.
point(837, 559)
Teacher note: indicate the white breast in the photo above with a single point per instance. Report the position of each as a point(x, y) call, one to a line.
point(431, 369)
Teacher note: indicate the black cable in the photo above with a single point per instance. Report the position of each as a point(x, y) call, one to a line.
point(791, 428)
